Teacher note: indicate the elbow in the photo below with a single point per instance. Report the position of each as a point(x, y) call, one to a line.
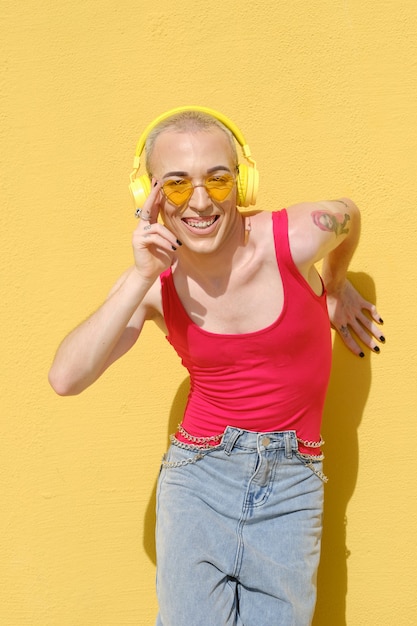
point(61, 384)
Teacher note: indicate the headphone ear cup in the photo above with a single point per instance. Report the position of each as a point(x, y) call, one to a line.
point(242, 185)
point(140, 189)
point(247, 185)
point(253, 184)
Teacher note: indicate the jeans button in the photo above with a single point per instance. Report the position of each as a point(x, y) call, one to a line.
point(265, 441)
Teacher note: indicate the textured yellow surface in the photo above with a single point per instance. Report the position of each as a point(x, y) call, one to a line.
point(325, 92)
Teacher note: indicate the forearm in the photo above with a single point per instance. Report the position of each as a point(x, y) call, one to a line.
point(336, 263)
point(86, 352)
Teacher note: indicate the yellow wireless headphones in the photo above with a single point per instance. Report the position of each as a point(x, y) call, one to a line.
point(248, 177)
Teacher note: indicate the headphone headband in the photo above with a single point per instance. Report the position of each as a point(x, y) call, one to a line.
point(248, 177)
point(219, 116)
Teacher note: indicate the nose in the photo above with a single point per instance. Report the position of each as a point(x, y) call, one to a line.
point(200, 200)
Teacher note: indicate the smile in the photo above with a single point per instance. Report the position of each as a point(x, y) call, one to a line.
point(201, 223)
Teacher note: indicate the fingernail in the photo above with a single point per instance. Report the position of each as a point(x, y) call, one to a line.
point(376, 349)
point(361, 354)
point(179, 242)
point(155, 183)
point(382, 338)
point(174, 248)
point(381, 321)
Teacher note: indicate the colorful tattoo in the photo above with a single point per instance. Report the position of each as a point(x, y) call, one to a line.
point(342, 202)
point(332, 222)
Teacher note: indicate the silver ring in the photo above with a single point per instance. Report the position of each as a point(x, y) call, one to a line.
point(138, 215)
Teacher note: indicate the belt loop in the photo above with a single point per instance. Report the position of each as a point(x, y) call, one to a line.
point(288, 446)
point(234, 436)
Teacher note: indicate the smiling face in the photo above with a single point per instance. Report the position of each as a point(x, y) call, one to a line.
point(201, 223)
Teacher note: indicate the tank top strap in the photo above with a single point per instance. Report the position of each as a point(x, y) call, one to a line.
point(281, 239)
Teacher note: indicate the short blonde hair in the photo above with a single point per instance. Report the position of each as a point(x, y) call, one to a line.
point(187, 121)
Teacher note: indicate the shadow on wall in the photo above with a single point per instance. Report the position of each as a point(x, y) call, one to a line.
point(346, 399)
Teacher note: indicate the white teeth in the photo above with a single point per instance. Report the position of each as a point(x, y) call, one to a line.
point(201, 224)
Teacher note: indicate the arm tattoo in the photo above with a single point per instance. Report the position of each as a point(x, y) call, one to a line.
point(342, 201)
point(332, 222)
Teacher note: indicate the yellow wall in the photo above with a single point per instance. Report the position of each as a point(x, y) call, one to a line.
point(325, 92)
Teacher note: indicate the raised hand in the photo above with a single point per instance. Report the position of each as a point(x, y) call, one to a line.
point(154, 246)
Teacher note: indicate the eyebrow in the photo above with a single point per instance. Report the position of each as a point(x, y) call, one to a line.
point(216, 168)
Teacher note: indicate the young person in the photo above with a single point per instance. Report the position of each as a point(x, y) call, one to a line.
point(237, 294)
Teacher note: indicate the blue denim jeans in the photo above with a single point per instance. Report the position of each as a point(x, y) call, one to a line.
point(238, 532)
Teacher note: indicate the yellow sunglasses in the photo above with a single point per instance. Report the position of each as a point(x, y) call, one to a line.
point(179, 190)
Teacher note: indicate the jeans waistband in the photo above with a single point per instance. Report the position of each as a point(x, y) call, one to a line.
point(249, 441)
point(245, 439)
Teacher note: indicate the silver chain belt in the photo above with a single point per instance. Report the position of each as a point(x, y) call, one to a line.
point(203, 442)
point(311, 444)
point(198, 443)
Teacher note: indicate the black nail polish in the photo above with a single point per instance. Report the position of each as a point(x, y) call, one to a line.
point(179, 242)
point(174, 248)
point(382, 338)
point(361, 354)
point(381, 321)
point(155, 184)
point(376, 349)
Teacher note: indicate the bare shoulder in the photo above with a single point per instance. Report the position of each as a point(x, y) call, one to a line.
point(259, 232)
point(315, 228)
point(327, 215)
point(258, 223)
point(258, 217)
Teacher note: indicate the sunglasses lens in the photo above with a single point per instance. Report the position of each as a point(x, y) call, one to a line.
point(219, 187)
point(178, 191)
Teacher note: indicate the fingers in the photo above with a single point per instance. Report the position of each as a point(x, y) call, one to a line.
point(149, 231)
point(373, 312)
point(373, 328)
point(372, 324)
point(349, 341)
point(356, 320)
point(156, 236)
point(150, 210)
point(154, 246)
point(366, 330)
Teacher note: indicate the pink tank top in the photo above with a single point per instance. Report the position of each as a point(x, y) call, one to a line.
point(272, 379)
